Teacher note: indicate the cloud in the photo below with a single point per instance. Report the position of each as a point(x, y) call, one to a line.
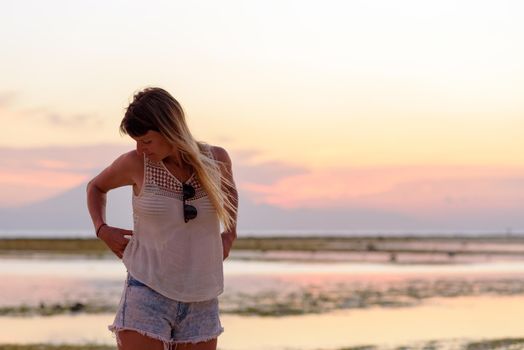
point(48, 115)
point(24, 187)
point(7, 98)
point(423, 191)
point(73, 159)
point(72, 121)
point(51, 117)
point(32, 174)
point(63, 121)
point(63, 167)
point(266, 173)
point(248, 168)
point(439, 198)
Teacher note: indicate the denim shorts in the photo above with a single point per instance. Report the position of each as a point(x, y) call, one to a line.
point(150, 313)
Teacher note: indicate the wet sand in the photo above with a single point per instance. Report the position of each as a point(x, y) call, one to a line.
point(397, 249)
point(448, 322)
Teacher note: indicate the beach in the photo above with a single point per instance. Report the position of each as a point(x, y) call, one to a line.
point(441, 322)
point(307, 293)
point(394, 249)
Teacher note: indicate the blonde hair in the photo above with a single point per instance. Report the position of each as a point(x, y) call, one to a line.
point(155, 109)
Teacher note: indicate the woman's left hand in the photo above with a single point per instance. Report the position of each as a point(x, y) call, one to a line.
point(227, 242)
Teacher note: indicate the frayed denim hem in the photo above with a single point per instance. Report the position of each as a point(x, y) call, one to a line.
point(116, 330)
point(167, 343)
point(196, 340)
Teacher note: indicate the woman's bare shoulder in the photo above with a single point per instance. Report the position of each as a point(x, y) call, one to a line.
point(129, 161)
point(220, 154)
point(125, 170)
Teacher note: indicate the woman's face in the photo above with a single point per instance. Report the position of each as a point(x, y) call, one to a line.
point(153, 145)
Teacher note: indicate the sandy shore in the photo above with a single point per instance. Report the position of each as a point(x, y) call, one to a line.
point(401, 250)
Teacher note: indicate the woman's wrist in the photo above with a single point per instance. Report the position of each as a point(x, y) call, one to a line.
point(99, 228)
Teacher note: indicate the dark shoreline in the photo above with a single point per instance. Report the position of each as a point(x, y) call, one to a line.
point(499, 245)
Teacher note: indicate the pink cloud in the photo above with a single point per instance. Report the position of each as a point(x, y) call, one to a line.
point(42, 178)
point(444, 197)
point(34, 174)
point(52, 164)
point(29, 175)
point(425, 191)
point(26, 186)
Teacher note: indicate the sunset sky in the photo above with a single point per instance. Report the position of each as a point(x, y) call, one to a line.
point(412, 107)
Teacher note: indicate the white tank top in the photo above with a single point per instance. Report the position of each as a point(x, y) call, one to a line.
point(182, 261)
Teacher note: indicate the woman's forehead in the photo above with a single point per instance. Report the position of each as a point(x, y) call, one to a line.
point(148, 134)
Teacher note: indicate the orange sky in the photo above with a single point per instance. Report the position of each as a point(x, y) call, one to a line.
point(334, 104)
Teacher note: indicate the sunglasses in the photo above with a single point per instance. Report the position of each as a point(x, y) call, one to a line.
point(190, 211)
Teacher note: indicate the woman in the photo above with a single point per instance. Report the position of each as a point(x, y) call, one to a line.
point(183, 190)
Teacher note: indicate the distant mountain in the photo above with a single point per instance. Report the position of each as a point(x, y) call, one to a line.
point(68, 211)
point(263, 216)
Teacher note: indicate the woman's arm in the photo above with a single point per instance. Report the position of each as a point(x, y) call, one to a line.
point(230, 235)
point(121, 172)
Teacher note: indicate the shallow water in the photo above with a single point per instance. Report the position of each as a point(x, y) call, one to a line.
point(306, 305)
point(450, 321)
point(259, 285)
point(55, 279)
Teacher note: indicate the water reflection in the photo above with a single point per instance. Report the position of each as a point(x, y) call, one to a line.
point(346, 304)
point(438, 319)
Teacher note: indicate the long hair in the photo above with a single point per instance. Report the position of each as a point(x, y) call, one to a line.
point(155, 109)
